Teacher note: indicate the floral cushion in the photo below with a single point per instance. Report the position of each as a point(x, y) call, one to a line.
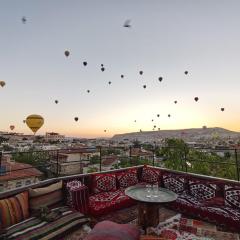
point(104, 183)
point(127, 178)
point(232, 196)
point(150, 175)
point(174, 182)
point(202, 190)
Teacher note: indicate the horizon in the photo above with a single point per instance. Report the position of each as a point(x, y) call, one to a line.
point(165, 39)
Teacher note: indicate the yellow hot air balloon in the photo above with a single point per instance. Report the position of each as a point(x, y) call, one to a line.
point(34, 122)
point(2, 83)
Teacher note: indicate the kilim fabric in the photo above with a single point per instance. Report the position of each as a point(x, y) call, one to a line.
point(174, 182)
point(106, 202)
point(150, 175)
point(68, 186)
point(35, 228)
point(50, 196)
point(232, 196)
point(127, 178)
point(80, 198)
point(104, 183)
point(14, 209)
point(202, 190)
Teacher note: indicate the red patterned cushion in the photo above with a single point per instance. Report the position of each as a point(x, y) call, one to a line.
point(127, 178)
point(104, 183)
point(202, 190)
point(174, 183)
point(107, 230)
point(232, 196)
point(150, 175)
point(80, 198)
point(106, 202)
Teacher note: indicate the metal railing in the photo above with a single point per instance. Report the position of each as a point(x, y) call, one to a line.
point(206, 161)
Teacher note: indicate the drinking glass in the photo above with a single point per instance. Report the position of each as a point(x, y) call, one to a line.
point(155, 190)
point(149, 190)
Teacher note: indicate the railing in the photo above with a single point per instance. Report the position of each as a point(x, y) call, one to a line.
point(205, 161)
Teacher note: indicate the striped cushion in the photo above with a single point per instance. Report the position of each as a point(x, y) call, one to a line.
point(50, 196)
point(80, 198)
point(14, 209)
point(35, 228)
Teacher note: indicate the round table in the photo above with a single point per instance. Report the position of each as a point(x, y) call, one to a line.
point(149, 201)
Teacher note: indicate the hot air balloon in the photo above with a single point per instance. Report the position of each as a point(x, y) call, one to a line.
point(175, 102)
point(34, 122)
point(141, 72)
point(222, 109)
point(169, 115)
point(158, 115)
point(12, 127)
point(67, 53)
point(101, 65)
point(88, 91)
point(160, 79)
point(24, 20)
point(152, 120)
point(24, 121)
point(105, 130)
point(102, 69)
point(2, 83)
point(127, 23)
point(196, 99)
point(154, 126)
point(135, 120)
point(84, 63)
point(122, 76)
point(56, 101)
point(144, 86)
point(109, 82)
point(76, 119)
point(186, 72)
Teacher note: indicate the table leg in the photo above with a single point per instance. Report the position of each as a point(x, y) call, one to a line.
point(148, 214)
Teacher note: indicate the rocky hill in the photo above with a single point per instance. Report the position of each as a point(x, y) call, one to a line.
point(192, 134)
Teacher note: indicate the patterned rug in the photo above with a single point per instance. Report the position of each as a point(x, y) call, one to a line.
point(188, 227)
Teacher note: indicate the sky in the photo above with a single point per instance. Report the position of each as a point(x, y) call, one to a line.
point(165, 39)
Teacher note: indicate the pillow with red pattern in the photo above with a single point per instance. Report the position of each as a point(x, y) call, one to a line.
point(202, 190)
point(127, 178)
point(173, 182)
point(232, 195)
point(104, 182)
point(214, 202)
point(150, 175)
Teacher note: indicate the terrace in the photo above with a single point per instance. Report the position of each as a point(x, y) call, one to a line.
point(207, 199)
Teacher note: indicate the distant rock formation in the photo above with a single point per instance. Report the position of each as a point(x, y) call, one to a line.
point(192, 134)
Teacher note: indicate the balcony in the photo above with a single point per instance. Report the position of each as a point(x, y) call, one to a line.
point(205, 200)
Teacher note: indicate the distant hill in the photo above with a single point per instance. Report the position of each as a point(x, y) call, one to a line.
point(192, 134)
